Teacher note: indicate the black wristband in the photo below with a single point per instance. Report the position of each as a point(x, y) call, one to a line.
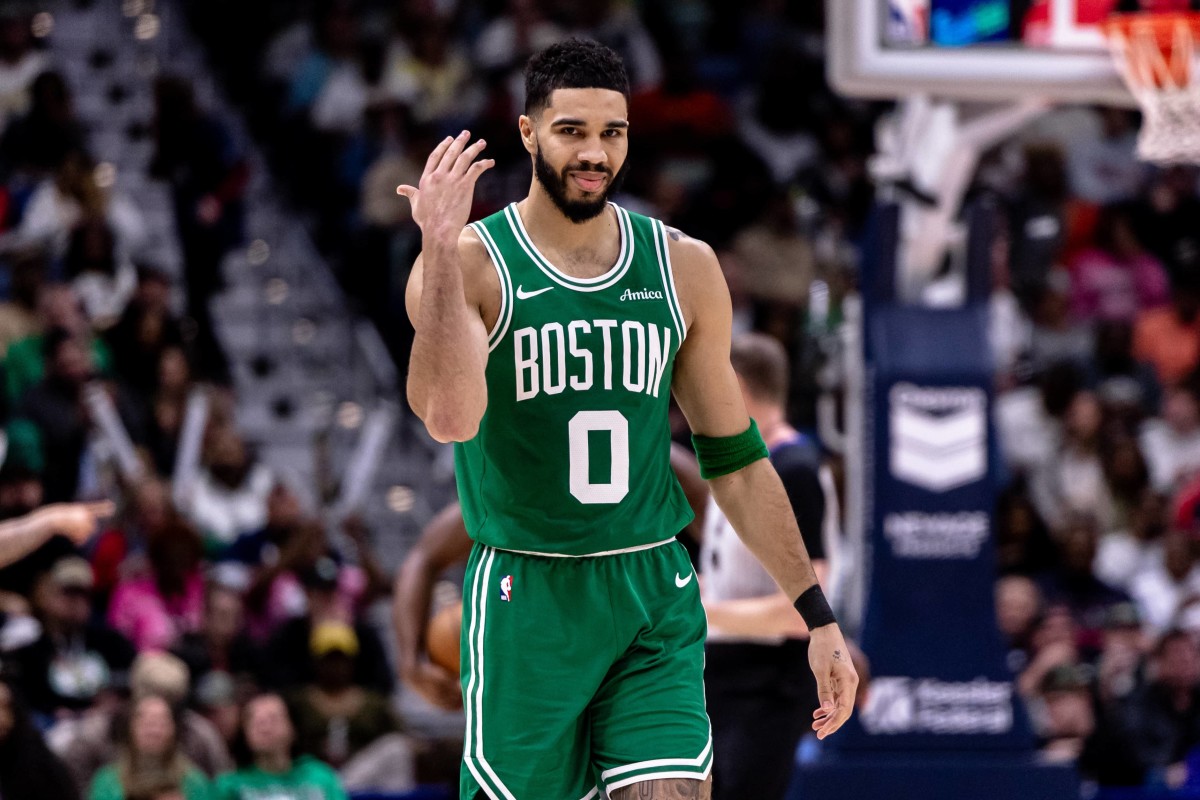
point(815, 609)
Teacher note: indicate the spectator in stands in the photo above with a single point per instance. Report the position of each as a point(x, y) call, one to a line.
point(120, 551)
point(1168, 338)
point(267, 762)
point(1023, 544)
point(103, 277)
point(1171, 445)
point(1116, 279)
point(168, 406)
point(18, 314)
point(335, 719)
point(776, 267)
point(1018, 608)
point(147, 328)
point(221, 644)
point(1104, 167)
point(288, 657)
point(28, 769)
point(73, 196)
point(197, 156)
point(1168, 221)
point(58, 307)
point(1169, 585)
point(150, 756)
point(1164, 717)
point(157, 608)
point(1074, 585)
point(76, 658)
point(86, 743)
point(55, 408)
point(333, 43)
point(34, 145)
point(434, 77)
point(282, 587)
point(1125, 474)
point(1039, 217)
point(1054, 643)
point(1073, 479)
point(1136, 546)
point(20, 63)
point(509, 39)
point(229, 498)
point(1057, 335)
point(1067, 719)
point(1126, 385)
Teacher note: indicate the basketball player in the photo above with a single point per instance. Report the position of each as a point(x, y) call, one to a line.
point(547, 339)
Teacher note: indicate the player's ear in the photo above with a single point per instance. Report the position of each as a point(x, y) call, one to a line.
point(525, 123)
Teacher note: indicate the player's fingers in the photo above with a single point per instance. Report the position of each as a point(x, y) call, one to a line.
point(435, 157)
point(102, 508)
point(452, 152)
point(468, 155)
point(478, 168)
point(404, 190)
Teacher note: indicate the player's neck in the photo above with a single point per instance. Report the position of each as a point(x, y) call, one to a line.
point(550, 228)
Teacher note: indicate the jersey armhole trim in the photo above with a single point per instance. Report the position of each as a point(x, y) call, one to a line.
point(506, 291)
point(663, 251)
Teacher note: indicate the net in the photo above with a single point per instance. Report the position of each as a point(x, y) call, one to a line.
point(1156, 54)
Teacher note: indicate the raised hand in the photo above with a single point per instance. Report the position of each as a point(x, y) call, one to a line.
point(441, 204)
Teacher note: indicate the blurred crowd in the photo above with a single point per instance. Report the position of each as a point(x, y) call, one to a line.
point(1096, 336)
point(210, 641)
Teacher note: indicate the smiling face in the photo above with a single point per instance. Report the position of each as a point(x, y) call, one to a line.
point(579, 144)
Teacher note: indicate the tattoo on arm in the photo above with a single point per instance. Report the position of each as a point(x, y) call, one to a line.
point(837, 655)
point(676, 234)
point(666, 790)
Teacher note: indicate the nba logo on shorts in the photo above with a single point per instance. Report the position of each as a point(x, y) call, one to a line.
point(506, 588)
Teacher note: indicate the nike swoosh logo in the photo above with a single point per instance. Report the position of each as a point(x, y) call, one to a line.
point(682, 582)
point(524, 295)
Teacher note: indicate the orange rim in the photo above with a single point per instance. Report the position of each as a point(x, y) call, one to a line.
point(1157, 47)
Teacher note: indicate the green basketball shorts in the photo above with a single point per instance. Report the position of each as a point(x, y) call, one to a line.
point(581, 674)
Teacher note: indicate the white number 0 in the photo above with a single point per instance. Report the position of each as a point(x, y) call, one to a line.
point(577, 435)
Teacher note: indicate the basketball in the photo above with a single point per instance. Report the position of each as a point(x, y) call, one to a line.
point(442, 635)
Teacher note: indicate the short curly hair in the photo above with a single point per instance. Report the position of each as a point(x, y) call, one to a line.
point(573, 64)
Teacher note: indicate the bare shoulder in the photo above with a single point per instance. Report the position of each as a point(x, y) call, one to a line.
point(698, 277)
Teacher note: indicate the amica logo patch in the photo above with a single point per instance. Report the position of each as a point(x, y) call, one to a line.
point(641, 294)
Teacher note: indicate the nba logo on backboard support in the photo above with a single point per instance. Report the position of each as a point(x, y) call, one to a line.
point(506, 588)
point(908, 22)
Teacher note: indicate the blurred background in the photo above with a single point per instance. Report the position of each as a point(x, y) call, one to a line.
point(202, 266)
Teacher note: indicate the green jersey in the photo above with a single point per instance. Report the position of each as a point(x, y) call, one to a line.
point(573, 453)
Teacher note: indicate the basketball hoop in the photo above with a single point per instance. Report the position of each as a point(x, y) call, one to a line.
point(1156, 54)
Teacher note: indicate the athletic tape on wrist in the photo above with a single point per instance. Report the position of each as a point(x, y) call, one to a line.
point(815, 609)
point(721, 455)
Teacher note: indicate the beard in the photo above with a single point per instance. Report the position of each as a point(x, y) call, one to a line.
point(555, 185)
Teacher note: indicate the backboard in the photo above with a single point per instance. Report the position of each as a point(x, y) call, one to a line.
point(974, 50)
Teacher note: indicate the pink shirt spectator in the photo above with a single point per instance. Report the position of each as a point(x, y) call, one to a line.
point(151, 621)
point(1105, 288)
point(287, 600)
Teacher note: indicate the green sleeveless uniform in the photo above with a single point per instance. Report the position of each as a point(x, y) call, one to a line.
point(583, 634)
